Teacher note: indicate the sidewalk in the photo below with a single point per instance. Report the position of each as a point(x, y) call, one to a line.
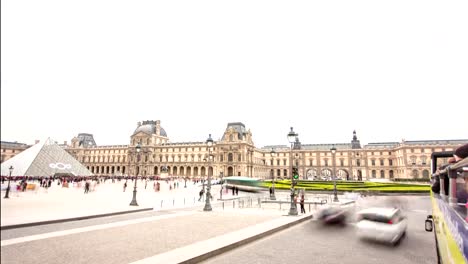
point(188, 236)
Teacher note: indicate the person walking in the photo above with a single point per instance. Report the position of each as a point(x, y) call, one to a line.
point(125, 186)
point(202, 191)
point(86, 188)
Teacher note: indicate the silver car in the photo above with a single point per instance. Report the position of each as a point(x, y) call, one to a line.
point(382, 224)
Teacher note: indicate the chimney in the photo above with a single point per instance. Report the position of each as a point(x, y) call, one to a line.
point(36, 141)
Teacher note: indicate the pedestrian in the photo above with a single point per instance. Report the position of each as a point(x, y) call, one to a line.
point(233, 191)
point(202, 191)
point(86, 189)
point(125, 186)
point(237, 190)
point(146, 183)
point(302, 204)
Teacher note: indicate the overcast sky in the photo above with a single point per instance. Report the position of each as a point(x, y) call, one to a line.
point(382, 68)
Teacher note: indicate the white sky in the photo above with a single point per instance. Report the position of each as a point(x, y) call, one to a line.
point(323, 67)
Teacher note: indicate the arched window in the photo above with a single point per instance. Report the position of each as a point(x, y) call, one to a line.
point(382, 174)
point(391, 174)
point(374, 173)
point(425, 174)
point(415, 174)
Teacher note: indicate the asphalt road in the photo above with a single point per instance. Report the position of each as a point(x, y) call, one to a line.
point(311, 242)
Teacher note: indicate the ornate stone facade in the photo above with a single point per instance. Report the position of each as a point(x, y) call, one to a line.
point(11, 149)
point(236, 154)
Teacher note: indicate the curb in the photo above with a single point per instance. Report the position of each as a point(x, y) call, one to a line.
point(243, 242)
point(71, 219)
point(203, 250)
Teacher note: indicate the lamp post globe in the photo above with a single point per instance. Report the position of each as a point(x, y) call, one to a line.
point(335, 194)
point(134, 201)
point(292, 138)
point(209, 144)
point(272, 192)
point(7, 193)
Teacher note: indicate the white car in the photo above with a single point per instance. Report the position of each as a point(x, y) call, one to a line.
point(381, 224)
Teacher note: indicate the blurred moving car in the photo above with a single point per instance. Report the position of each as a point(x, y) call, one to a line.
point(382, 224)
point(332, 215)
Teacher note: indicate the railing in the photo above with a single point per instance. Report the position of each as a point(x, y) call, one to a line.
point(241, 202)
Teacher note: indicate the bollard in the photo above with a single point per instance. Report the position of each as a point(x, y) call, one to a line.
point(309, 207)
point(161, 203)
point(223, 206)
point(193, 200)
point(280, 205)
point(184, 200)
point(173, 202)
point(259, 203)
point(233, 203)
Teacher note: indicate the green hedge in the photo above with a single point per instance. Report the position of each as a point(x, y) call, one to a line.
point(351, 186)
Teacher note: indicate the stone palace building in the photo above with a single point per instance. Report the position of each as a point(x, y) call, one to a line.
point(236, 154)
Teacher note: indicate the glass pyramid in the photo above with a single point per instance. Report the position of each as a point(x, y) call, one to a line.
point(44, 159)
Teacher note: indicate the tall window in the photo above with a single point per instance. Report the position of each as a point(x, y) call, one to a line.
point(373, 173)
point(358, 162)
point(230, 157)
point(423, 160)
point(425, 174)
point(390, 162)
point(382, 174)
point(221, 158)
point(381, 162)
point(373, 162)
point(391, 174)
point(239, 157)
point(285, 173)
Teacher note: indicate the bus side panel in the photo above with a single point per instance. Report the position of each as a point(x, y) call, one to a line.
point(450, 232)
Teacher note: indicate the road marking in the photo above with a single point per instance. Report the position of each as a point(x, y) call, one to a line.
point(420, 211)
point(18, 240)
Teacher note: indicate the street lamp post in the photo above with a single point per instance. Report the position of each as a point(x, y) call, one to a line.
point(134, 201)
point(8, 187)
point(272, 192)
point(335, 195)
point(209, 143)
point(221, 181)
point(292, 138)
